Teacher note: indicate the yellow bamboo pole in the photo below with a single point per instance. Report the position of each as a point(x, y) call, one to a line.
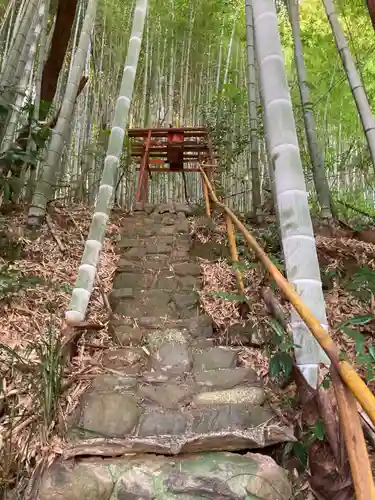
point(206, 198)
point(234, 254)
point(353, 434)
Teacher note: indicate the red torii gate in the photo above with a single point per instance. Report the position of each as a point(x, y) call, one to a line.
point(157, 147)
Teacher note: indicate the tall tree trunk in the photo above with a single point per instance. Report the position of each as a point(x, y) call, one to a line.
point(45, 187)
point(316, 155)
point(63, 27)
point(371, 10)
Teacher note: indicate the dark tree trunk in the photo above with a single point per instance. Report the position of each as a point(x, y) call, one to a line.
point(63, 27)
point(371, 9)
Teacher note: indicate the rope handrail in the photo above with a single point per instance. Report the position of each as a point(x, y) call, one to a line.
point(353, 387)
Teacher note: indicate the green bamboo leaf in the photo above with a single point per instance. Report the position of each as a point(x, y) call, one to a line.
point(358, 337)
point(357, 320)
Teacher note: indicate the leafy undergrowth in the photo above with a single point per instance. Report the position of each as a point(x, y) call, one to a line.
point(348, 271)
point(37, 389)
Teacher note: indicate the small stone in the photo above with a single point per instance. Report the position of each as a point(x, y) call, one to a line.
point(186, 303)
point(158, 248)
point(124, 334)
point(174, 357)
point(129, 281)
point(169, 220)
point(215, 358)
point(170, 396)
point(135, 254)
point(188, 283)
point(109, 414)
point(254, 396)
point(158, 423)
point(167, 281)
point(226, 418)
point(183, 483)
point(129, 243)
point(148, 303)
point(115, 383)
point(226, 378)
point(135, 484)
point(165, 208)
point(248, 333)
point(126, 266)
point(187, 268)
point(119, 295)
point(183, 226)
point(167, 230)
point(200, 326)
point(154, 377)
point(118, 359)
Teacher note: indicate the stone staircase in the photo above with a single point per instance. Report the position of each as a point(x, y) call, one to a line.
point(160, 423)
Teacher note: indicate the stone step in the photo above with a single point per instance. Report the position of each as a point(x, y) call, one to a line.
point(131, 331)
point(212, 476)
point(172, 417)
point(173, 395)
point(183, 303)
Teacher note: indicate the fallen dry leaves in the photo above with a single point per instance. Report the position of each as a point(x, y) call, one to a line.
point(27, 315)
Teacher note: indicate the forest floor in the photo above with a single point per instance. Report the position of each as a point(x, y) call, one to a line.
point(36, 279)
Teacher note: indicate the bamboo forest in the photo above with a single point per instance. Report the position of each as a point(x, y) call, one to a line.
point(187, 249)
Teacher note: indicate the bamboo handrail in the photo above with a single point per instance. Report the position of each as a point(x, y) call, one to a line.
point(353, 434)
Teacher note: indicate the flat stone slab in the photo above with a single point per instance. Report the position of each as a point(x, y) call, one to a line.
point(215, 476)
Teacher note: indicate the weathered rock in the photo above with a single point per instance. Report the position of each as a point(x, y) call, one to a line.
point(172, 357)
point(129, 281)
point(226, 378)
point(120, 359)
point(128, 266)
point(215, 358)
point(158, 248)
point(186, 303)
point(238, 395)
point(125, 334)
point(134, 485)
point(120, 294)
point(83, 481)
point(146, 303)
point(127, 243)
point(187, 268)
point(215, 476)
point(170, 396)
point(111, 414)
point(158, 423)
point(200, 326)
point(248, 334)
point(115, 383)
point(188, 283)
